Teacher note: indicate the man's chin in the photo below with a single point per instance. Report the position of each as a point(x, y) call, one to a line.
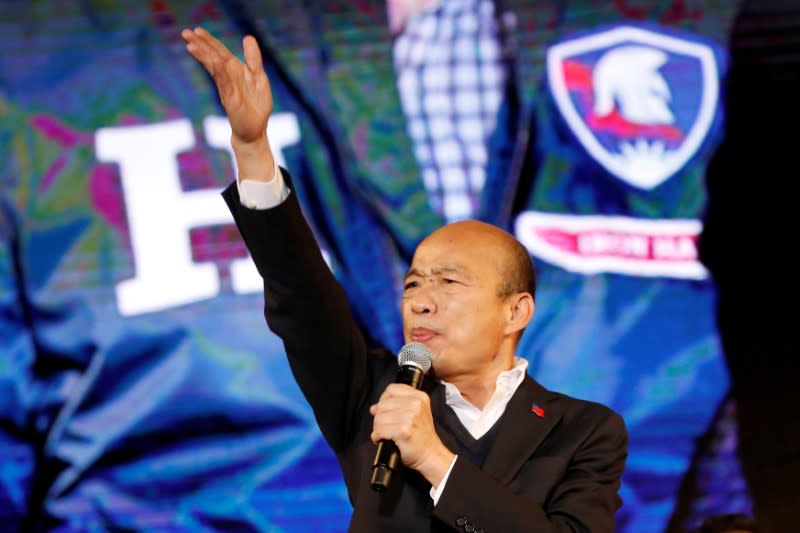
point(437, 371)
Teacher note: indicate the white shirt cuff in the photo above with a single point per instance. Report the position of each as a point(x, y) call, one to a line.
point(436, 492)
point(263, 194)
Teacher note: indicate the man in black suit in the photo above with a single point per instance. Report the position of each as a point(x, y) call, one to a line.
point(485, 447)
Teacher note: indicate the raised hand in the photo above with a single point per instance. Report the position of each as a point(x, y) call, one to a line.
point(243, 86)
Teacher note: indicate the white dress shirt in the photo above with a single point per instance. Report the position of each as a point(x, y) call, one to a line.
point(477, 421)
point(267, 194)
point(263, 194)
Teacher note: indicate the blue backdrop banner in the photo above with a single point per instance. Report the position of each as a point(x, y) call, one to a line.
point(140, 389)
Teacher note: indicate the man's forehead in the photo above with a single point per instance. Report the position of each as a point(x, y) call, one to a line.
point(468, 259)
point(437, 252)
point(427, 270)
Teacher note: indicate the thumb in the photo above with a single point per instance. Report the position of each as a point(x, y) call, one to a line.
point(252, 55)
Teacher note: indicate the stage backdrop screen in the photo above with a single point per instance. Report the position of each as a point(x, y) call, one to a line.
point(140, 389)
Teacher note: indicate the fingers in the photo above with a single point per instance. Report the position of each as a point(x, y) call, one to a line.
point(223, 66)
point(399, 410)
point(403, 416)
point(393, 425)
point(252, 55)
point(399, 396)
point(401, 390)
point(199, 45)
point(212, 54)
point(222, 52)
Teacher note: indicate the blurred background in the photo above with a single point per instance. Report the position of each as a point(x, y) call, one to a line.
point(643, 151)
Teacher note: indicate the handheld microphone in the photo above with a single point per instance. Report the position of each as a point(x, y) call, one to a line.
point(414, 360)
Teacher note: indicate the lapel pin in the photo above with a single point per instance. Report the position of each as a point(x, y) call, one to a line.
point(538, 411)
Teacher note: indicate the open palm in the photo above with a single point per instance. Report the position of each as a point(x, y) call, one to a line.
point(243, 86)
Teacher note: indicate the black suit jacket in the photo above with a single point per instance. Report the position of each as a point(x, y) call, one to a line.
point(555, 472)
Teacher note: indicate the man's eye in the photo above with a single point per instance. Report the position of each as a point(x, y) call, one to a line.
point(410, 285)
point(449, 281)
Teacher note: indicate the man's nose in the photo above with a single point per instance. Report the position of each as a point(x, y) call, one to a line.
point(423, 303)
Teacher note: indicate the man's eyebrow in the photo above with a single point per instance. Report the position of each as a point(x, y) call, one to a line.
point(445, 269)
point(412, 272)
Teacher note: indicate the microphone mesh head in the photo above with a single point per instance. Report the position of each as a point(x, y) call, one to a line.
point(415, 353)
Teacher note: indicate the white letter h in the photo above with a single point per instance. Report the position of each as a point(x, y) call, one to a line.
point(160, 214)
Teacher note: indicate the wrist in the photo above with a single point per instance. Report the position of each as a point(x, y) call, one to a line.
point(254, 159)
point(436, 464)
point(249, 145)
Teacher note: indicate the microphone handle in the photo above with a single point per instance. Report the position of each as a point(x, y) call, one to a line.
point(387, 457)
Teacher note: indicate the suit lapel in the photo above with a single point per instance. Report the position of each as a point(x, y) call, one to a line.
point(521, 430)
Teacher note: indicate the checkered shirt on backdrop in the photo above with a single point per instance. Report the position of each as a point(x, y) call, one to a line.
point(451, 78)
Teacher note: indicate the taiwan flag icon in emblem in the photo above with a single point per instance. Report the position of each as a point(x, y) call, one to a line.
point(641, 102)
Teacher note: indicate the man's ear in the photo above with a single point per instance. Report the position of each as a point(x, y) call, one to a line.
point(519, 312)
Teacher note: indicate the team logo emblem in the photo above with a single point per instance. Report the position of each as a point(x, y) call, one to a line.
point(640, 102)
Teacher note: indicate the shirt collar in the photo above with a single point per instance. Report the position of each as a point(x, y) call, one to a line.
point(508, 380)
point(512, 377)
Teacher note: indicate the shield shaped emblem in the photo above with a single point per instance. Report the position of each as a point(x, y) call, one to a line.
point(639, 101)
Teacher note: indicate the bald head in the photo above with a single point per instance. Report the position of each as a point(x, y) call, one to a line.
point(490, 243)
